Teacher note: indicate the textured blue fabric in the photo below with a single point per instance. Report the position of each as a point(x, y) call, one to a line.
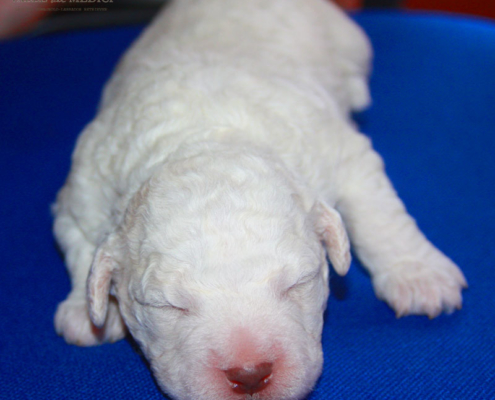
point(433, 120)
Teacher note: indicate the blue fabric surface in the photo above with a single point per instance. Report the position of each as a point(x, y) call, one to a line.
point(433, 120)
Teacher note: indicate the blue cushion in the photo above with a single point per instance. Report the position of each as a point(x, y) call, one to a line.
point(433, 120)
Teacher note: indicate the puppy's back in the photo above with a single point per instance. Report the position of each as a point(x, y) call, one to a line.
point(297, 39)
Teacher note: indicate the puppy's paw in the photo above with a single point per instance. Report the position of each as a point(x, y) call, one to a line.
point(426, 287)
point(73, 323)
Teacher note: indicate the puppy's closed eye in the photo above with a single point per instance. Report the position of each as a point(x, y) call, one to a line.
point(298, 290)
point(163, 304)
point(294, 289)
point(159, 289)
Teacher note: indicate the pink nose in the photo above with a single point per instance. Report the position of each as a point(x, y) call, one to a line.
point(250, 380)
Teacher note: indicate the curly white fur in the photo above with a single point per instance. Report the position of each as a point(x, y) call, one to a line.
point(204, 194)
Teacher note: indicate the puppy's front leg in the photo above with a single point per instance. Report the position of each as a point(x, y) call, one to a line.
point(408, 272)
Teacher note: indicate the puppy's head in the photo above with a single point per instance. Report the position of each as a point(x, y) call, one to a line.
point(223, 284)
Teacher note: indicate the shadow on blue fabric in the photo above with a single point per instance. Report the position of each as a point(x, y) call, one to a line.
point(433, 121)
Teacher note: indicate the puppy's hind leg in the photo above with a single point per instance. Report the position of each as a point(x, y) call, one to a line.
point(72, 319)
point(408, 272)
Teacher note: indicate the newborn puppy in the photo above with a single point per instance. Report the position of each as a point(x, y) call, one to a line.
point(220, 170)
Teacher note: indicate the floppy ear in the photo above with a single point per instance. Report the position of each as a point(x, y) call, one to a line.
point(100, 279)
point(331, 229)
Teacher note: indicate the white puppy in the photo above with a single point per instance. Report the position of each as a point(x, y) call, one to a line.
point(204, 192)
